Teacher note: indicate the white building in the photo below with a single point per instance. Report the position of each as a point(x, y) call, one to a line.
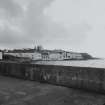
point(36, 56)
point(1, 55)
point(73, 55)
point(61, 55)
point(55, 55)
point(45, 55)
point(33, 55)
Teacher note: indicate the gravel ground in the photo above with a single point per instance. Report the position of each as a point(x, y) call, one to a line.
point(19, 92)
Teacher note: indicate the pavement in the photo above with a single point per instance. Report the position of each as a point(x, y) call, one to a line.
point(22, 92)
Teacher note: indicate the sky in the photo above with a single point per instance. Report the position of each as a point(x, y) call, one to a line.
point(75, 25)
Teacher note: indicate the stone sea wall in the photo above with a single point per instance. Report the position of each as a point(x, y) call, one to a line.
point(76, 77)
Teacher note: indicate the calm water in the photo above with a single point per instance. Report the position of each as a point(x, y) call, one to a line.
point(99, 63)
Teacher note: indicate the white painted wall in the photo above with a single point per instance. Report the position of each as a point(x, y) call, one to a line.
point(36, 56)
point(56, 56)
point(33, 56)
point(50, 56)
point(1, 55)
point(70, 55)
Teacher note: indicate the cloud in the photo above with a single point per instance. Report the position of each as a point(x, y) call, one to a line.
point(31, 27)
point(23, 23)
point(10, 7)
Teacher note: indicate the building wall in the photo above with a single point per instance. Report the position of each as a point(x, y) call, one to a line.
point(45, 56)
point(26, 55)
point(36, 56)
point(70, 55)
point(56, 56)
point(13, 54)
point(48, 55)
point(1, 55)
point(76, 56)
point(33, 56)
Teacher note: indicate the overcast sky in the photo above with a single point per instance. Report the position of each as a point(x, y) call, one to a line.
point(77, 25)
